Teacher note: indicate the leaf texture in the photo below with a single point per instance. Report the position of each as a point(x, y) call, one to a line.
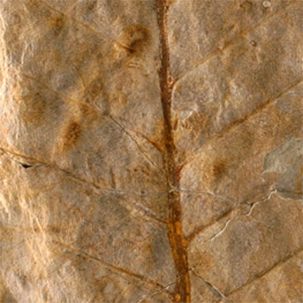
point(151, 151)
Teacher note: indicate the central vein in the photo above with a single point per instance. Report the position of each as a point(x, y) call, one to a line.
point(176, 237)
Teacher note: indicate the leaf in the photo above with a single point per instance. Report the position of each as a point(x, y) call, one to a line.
point(150, 151)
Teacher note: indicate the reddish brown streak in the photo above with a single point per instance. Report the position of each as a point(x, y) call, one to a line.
point(176, 236)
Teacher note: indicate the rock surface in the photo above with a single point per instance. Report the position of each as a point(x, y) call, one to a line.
point(151, 151)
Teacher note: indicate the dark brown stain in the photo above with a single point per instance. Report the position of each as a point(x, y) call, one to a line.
point(219, 168)
point(57, 24)
point(176, 237)
point(54, 229)
point(92, 5)
point(135, 38)
point(71, 134)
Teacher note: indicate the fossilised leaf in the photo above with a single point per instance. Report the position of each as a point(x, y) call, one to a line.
point(151, 151)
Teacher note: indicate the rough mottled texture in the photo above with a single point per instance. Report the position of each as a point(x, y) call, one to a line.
point(151, 151)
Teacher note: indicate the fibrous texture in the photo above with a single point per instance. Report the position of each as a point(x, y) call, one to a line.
point(151, 151)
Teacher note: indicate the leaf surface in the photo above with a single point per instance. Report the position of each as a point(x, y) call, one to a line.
point(151, 151)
